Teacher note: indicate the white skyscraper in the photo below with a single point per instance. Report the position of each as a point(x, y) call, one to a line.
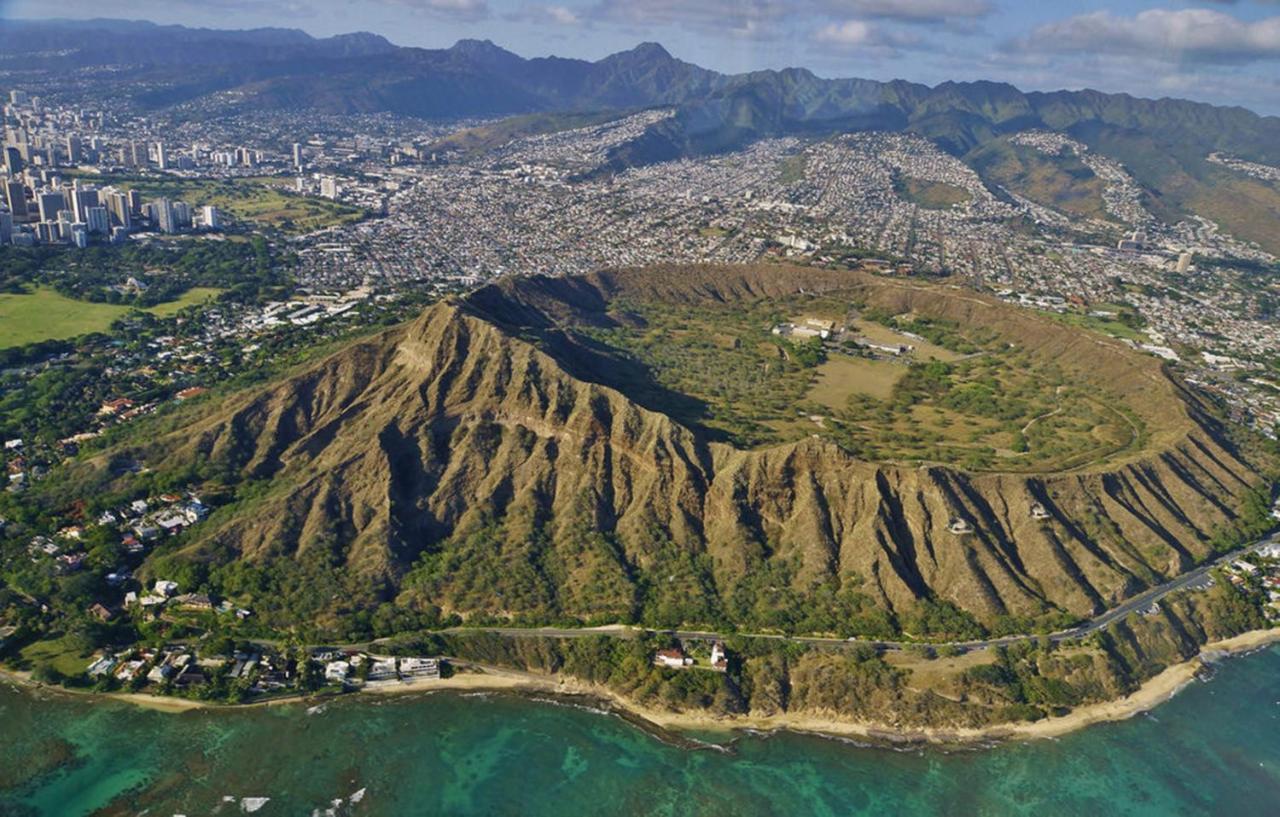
point(97, 221)
point(210, 217)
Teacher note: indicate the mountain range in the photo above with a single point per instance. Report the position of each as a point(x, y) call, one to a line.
point(287, 68)
point(1164, 143)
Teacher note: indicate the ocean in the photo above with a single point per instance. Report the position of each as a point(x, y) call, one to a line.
point(1213, 749)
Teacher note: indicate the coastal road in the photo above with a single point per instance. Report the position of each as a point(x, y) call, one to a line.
point(1195, 577)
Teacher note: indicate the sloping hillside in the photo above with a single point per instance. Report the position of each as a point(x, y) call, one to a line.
point(478, 462)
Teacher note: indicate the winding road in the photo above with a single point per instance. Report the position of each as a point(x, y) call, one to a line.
point(1194, 577)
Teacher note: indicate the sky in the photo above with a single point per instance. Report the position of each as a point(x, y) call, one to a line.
point(1219, 51)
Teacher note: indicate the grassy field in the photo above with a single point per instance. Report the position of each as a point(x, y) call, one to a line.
point(792, 168)
point(1107, 326)
point(265, 202)
point(63, 654)
point(842, 376)
point(960, 398)
point(44, 314)
point(931, 195)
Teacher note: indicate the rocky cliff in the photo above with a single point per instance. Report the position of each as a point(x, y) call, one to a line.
point(484, 438)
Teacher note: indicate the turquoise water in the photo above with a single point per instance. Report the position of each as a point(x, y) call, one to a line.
point(1215, 749)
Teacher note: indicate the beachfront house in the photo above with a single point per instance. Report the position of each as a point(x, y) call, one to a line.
point(382, 669)
point(336, 672)
point(427, 668)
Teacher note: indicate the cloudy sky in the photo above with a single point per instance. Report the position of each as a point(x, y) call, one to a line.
point(1222, 51)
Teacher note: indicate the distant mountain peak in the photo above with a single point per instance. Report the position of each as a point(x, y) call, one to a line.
point(486, 54)
point(360, 42)
point(651, 50)
point(477, 48)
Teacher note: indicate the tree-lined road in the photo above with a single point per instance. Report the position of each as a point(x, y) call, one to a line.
point(1195, 577)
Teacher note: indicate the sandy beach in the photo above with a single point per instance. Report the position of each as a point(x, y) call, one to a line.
point(1154, 692)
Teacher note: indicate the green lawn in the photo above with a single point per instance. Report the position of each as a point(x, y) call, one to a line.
point(264, 201)
point(44, 314)
point(931, 195)
point(1107, 326)
point(63, 654)
point(842, 376)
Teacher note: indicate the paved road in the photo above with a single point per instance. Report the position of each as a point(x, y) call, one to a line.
point(1138, 602)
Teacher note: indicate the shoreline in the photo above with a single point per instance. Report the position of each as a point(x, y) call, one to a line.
point(671, 725)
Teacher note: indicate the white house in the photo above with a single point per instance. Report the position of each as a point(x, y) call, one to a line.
point(165, 587)
point(673, 658)
point(336, 672)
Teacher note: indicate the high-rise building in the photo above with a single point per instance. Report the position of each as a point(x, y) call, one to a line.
point(73, 149)
point(79, 235)
point(6, 227)
point(181, 214)
point(297, 155)
point(162, 216)
point(82, 198)
point(49, 203)
point(97, 221)
point(138, 154)
point(13, 160)
point(118, 204)
point(329, 187)
point(1184, 262)
point(211, 217)
point(162, 158)
point(15, 195)
point(135, 202)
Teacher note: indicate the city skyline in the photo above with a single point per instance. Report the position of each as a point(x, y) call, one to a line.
point(1218, 52)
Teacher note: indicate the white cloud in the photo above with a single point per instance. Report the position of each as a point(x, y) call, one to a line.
point(561, 15)
point(860, 34)
point(456, 9)
point(720, 15)
point(1191, 35)
point(910, 11)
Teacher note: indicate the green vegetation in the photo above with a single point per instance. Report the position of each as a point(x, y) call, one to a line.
point(44, 314)
point(472, 141)
point(1062, 182)
point(246, 269)
point(792, 169)
point(1125, 324)
point(960, 397)
point(265, 203)
point(843, 375)
point(930, 195)
point(714, 367)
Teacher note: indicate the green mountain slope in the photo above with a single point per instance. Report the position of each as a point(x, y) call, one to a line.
point(488, 461)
